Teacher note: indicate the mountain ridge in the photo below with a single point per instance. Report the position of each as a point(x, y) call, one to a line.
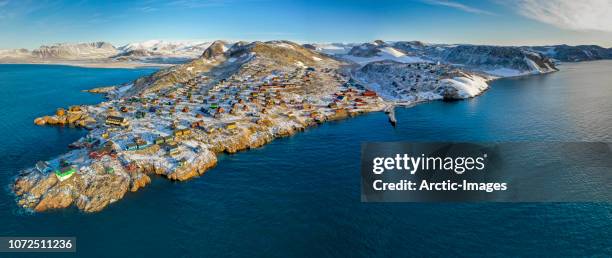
point(182, 51)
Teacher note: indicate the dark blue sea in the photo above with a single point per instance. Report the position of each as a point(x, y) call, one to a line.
point(300, 196)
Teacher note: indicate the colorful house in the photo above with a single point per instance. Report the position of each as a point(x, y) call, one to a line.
point(117, 120)
point(173, 150)
point(231, 126)
point(159, 140)
point(65, 173)
point(369, 93)
point(182, 132)
point(131, 146)
point(140, 114)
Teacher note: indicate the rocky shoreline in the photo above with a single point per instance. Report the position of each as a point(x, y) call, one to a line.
point(92, 193)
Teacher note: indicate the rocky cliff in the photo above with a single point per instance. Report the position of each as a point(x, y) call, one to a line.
point(223, 62)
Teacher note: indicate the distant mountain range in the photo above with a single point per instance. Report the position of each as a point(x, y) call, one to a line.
point(148, 51)
point(495, 60)
point(563, 53)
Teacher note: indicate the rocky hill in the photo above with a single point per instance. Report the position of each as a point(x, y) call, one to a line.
point(222, 62)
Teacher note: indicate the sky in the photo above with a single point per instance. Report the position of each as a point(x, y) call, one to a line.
point(31, 23)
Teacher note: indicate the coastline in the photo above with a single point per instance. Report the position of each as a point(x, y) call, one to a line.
point(141, 176)
point(86, 64)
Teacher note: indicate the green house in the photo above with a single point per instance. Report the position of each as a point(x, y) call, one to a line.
point(159, 140)
point(131, 146)
point(140, 114)
point(64, 173)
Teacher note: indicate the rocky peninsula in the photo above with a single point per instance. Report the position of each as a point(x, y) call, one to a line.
point(174, 123)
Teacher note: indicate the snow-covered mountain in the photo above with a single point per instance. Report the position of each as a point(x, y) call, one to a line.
point(165, 48)
point(380, 50)
point(155, 51)
point(65, 51)
point(409, 71)
point(493, 60)
point(160, 51)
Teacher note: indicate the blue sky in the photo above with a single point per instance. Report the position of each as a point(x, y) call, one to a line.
point(30, 23)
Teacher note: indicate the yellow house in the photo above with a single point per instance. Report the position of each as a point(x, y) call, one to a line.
point(231, 126)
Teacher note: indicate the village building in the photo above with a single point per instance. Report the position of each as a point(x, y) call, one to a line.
point(140, 114)
point(117, 121)
point(65, 172)
point(173, 150)
point(182, 132)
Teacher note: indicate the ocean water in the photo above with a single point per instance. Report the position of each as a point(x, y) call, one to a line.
point(300, 195)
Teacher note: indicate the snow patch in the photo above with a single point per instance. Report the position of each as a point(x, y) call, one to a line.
point(467, 87)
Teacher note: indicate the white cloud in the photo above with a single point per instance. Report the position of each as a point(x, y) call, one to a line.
point(458, 6)
point(580, 15)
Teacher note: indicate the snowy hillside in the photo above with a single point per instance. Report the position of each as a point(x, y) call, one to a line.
point(567, 53)
point(498, 61)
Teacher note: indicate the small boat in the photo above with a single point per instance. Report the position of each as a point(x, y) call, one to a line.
point(390, 111)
